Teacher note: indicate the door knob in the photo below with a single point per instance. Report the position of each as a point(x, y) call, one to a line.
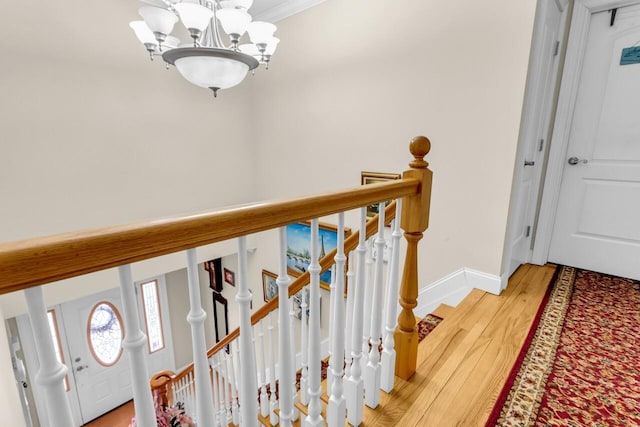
point(574, 161)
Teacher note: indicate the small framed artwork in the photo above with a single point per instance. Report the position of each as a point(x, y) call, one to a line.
point(230, 277)
point(214, 268)
point(269, 285)
point(299, 244)
point(297, 302)
point(373, 178)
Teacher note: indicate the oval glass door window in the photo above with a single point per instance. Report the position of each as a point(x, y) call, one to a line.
point(105, 333)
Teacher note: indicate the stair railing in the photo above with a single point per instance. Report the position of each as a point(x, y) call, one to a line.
point(222, 387)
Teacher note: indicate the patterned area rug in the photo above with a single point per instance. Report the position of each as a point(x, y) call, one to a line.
point(580, 364)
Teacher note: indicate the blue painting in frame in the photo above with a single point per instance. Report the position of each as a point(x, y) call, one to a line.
point(299, 245)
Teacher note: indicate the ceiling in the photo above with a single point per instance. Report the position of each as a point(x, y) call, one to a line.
point(275, 10)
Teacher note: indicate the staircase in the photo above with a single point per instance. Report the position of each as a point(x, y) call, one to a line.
point(464, 362)
point(451, 378)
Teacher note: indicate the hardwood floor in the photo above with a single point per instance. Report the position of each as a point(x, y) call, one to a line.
point(119, 417)
point(465, 361)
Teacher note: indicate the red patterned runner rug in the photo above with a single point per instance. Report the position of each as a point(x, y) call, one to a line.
point(580, 364)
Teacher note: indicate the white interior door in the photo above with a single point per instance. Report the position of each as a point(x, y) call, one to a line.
point(597, 223)
point(541, 84)
point(94, 330)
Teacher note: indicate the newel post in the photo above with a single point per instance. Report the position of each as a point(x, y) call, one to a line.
point(160, 384)
point(414, 221)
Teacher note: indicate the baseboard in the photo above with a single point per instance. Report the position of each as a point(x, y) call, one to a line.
point(483, 281)
point(454, 287)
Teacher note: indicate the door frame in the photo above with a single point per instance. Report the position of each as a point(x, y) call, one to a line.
point(528, 136)
point(574, 61)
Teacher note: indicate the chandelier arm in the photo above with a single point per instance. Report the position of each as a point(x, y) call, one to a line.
point(217, 41)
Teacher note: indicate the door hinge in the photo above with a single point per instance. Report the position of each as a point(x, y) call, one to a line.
point(613, 12)
point(541, 145)
point(528, 232)
point(556, 48)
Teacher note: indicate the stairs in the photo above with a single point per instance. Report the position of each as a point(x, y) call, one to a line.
point(465, 360)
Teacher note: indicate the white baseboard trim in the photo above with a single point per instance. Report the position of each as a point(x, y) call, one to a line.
point(454, 287)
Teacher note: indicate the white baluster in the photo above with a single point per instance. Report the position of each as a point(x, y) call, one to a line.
point(387, 376)
point(215, 386)
point(262, 374)
point(238, 371)
point(273, 403)
point(192, 393)
point(368, 297)
point(332, 303)
point(293, 368)
point(221, 413)
point(51, 373)
point(286, 348)
point(337, 406)
point(196, 319)
point(248, 388)
point(348, 331)
point(304, 342)
point(235, 413)
point(175, 391)
point(225, 384)
point(353, 386)
point(314, 418)
point(372, 369)
point(135, 343)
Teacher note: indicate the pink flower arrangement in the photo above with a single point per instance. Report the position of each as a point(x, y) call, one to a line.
point(170, 416)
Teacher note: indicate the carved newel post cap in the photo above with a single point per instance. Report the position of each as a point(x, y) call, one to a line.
point(419, 147)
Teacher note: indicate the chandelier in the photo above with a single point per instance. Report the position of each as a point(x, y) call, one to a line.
point(206, 62)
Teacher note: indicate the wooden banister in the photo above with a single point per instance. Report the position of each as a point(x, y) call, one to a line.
point(159, 387)
point(38, 261)
point(350, 244)
point(414, 221)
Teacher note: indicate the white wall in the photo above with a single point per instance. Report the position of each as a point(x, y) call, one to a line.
point(95, 134)
point(354, 80)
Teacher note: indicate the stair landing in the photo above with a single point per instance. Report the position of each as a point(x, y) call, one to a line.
point(465, 361)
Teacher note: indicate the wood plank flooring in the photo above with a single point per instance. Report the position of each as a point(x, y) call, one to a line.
point(119, 417)
point(465, 361)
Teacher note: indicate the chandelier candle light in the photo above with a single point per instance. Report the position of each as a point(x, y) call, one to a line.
point(206, 62)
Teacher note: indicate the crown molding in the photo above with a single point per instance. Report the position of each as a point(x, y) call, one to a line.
point(285, 9)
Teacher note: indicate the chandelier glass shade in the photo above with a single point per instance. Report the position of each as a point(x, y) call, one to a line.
point(206, 61)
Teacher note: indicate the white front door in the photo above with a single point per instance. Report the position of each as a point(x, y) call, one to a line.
point(94, 330)
point(597, 223)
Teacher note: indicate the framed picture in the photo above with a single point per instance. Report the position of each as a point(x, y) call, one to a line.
point(373, 178)
point(220, 319)
point(297, 302)
point(299, 244)
point(269, 285)
point(214, 268)
point(230, 277)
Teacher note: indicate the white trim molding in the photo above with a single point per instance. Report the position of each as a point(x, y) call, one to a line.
point(285, 9)
point(580, 22)
point(454, 287)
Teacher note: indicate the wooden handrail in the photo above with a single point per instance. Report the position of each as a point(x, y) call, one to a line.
point(325, 262)
point(415, 220)
point(38, 261)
